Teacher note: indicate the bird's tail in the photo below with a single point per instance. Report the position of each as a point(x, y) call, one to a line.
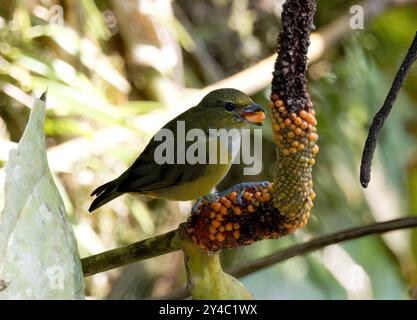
point(104, 194)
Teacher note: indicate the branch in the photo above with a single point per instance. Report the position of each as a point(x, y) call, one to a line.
point(131, 253)
point(382, 114)
point(162, 244)
point(315, 244)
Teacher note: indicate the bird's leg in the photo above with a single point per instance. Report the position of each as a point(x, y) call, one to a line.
point(240, 189)
point(209, 198)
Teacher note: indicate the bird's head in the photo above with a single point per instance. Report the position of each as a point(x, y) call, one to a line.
point(231, 107)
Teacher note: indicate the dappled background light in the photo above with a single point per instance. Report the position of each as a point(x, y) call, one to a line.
point(116, 71)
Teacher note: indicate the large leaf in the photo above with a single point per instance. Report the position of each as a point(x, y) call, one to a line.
point(38, 252)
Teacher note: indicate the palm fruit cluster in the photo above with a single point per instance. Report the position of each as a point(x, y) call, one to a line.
point(295, 135)
point(272, 211)
point(230, 223)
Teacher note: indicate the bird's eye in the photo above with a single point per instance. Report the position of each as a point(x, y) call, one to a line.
point(229, 106)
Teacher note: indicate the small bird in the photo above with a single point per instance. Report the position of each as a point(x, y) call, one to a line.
point(219, 109)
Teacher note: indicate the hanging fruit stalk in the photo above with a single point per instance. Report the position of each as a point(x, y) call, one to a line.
point(281, 207)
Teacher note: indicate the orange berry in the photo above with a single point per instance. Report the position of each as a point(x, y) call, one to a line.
point(212, 237)
point(258, 195)
point(311, 119)
point(301, 147)
point(220, 237)
point(212, 229)
point(298, 121)
point(285, 152)
point(227, 203)
point(313, 137)
point(251, 208)
point(236, 226)
point(304, 125)
point(236, 234)
point(219, 217)
point(303, 114)
point(315, 149)
point(287, 122)
point(223, 210)
point(279, 103)
point(290, 134)
point(288, 225)
point(223, 199)
point(233, 195)
point(298, 131)
point(293, 150)
point(216, 206)
point(229, 226)
point(215, 223)
point(266, 197)
point(237, 211)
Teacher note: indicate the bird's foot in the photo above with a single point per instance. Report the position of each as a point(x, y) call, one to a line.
point(240, 189)
point(209, 198)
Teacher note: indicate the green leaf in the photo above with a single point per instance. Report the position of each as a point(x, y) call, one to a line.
point(38, 252)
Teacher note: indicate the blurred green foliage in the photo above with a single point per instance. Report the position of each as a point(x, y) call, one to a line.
point(120, 65)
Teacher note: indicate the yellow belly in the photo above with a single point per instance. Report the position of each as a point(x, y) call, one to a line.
point(199, 187)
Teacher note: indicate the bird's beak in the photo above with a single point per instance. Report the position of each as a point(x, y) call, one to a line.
point(253, 114)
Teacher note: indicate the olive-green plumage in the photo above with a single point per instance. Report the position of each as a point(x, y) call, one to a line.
point(220, 109)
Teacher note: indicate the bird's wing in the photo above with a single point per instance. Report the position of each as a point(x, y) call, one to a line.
point(146, 175)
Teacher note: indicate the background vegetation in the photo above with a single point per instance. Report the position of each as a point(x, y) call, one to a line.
point(118, 70)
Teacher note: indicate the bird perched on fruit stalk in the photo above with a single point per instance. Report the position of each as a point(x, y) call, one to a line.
point(219, 109)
